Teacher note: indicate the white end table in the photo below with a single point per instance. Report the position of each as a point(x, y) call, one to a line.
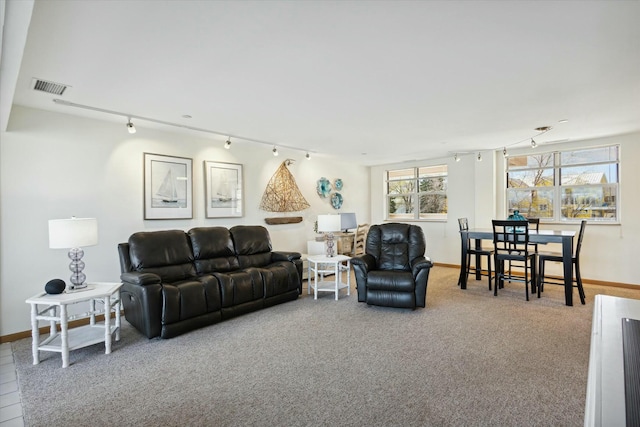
point(71, 339)
point(321, 265)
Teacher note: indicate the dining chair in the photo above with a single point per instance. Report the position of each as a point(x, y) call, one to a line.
point(463, 224)
point(511, 243)
point(544, 257)
point(360, 239)
point(534, 225)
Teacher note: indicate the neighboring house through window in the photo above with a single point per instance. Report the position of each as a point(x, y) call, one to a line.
point(566, 185)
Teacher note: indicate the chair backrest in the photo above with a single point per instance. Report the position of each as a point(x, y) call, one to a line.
point(534, 223)
point(510, 236)
point(583, 225)
point(360, 239)
point(463, 224)
point(394, 245)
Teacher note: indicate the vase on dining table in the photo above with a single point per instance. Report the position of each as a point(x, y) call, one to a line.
point(515, 216)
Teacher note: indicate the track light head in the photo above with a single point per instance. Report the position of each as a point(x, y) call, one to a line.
point(479, 156)
point(227, 144)
point(456, 158)
point(275, 151)
point(308, 156)
point(504, 152)
point(534, 144)
point(130, 127)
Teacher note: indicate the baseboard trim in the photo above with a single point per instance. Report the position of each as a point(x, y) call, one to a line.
point(584, 280)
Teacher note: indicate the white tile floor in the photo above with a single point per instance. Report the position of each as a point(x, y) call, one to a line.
point(10, 404)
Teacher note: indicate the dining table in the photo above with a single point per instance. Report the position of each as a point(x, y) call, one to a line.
point(564, 237)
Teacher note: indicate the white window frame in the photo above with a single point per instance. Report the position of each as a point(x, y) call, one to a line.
point(607, 216)
point(432, 171)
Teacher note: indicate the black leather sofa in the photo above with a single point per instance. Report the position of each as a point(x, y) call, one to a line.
point(174, 282)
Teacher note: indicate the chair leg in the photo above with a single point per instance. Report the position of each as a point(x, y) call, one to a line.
point(579, 282)
point(526, 280)
point(489, 271)
point(497, 276)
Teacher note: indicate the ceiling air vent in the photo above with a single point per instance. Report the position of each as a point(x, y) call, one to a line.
point(49, 87)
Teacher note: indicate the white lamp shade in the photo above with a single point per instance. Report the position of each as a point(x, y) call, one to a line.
point(328, 223)
point(73, 233)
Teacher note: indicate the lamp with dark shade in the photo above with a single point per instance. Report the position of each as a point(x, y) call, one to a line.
point(348, 221)
point(74, 234)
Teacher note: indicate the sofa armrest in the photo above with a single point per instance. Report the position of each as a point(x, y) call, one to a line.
point(141, 279)
point(419, 264)
point(365, 262)
point(361, 266)
point(284, 256)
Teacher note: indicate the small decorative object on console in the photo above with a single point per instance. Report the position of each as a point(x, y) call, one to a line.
point(338, 184)
point(55, 286)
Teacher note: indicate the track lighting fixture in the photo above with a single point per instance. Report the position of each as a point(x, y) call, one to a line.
point(456, 158)
point(504, 152)
point(130, 127)
point(479, 156)
point(308, 156)
point(275, 151)
point(533, 143)
point(227, 144)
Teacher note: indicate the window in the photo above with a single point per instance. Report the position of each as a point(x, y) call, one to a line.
point(566, 185)
point(417, 193)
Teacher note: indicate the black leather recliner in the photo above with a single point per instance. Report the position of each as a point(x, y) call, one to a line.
point(393, 271)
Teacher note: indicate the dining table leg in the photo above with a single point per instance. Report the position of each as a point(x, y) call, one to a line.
point(567, 267)
point(462, 280)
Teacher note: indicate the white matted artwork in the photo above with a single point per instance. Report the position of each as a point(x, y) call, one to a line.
point(168, 189)
point(223, 189)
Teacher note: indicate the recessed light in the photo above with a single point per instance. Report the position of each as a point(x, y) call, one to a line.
point(563, 121)
point(543, 129)
point(186, 116)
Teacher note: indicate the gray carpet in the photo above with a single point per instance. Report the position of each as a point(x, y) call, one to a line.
point(469, 358)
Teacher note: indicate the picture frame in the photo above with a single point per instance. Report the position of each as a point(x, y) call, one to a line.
point(224, 191)
point(168, 187)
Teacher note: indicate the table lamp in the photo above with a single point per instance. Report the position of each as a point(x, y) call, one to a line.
point(328, 224)
point(74, 234)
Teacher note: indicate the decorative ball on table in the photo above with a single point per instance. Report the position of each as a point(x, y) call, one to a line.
point(55, 286)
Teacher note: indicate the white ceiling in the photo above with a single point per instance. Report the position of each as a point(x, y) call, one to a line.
point(398, 80)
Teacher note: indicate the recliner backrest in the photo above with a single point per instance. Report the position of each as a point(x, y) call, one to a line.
point(252, 245)
point(165, 253)
point(212, 249)
point(395, 245)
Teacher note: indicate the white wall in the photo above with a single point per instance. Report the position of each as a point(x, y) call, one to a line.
point(56, 165)
point(476, 191)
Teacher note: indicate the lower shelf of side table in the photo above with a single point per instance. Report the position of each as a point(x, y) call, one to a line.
point(328, 286)
point(80, 337)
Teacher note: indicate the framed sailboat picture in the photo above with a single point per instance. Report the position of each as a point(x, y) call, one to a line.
point(223, 189)
point(168, 187)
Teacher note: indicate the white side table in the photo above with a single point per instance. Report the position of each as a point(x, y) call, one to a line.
point(55, 311)
point(322, 265)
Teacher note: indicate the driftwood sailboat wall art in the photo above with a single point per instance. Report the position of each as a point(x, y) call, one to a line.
point(283, 195)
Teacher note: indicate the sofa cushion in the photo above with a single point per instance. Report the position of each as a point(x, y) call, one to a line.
point(396, 281)
point(252, 245)
point(165, 253)
point(212, 250)
point(190, 298)
point(239, 287)
point(279, 278)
